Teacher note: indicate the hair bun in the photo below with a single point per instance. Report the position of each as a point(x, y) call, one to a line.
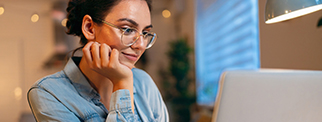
point(74, 18)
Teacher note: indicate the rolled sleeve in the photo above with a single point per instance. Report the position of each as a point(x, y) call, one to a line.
point(120, 107)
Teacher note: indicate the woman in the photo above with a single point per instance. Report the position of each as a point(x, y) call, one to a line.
point(103, 84)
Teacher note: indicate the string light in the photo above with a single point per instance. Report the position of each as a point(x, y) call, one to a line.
point(166, 13)
point(1, 10)
point(35, 18)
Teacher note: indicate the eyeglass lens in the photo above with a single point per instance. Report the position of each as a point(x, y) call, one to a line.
point(130, 36)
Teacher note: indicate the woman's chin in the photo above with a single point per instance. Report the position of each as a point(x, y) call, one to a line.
point(128, 64)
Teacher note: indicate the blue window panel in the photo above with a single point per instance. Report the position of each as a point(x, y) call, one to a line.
point(227, 38)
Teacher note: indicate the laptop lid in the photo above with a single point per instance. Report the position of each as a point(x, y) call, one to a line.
point(269, 96)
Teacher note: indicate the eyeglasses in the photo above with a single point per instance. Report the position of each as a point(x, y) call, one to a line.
point(131, 35)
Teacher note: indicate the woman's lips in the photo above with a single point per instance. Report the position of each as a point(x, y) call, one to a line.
point(132, 57)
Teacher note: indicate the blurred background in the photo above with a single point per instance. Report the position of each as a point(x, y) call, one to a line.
point(197, 41)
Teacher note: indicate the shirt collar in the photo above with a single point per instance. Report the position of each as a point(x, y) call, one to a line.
point(78, 79)
point(80, 82)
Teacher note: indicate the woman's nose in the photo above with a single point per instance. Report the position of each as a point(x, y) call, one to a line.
point(140, 43)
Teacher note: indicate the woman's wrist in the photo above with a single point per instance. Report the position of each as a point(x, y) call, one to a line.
point(123, 84)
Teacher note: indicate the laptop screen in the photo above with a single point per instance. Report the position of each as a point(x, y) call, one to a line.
point(269, 96)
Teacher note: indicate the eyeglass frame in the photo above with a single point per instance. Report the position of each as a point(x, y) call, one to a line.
point(149, 45)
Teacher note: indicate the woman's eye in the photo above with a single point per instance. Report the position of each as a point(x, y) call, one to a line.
point(129, 31)
point(145, 32)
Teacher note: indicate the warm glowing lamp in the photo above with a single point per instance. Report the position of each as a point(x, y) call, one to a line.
point(281, 10)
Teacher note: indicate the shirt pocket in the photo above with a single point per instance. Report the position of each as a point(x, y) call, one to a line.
point(157, 117)
point(94, 117)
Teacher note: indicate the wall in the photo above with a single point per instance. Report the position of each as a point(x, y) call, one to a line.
point(164, 27)
point(24, 48)
point(293, 44)
point(180, 24)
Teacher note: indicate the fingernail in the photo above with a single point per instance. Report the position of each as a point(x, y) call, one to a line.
point(98, 43)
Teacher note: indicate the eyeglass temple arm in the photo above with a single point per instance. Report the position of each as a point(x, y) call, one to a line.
point(109, 24)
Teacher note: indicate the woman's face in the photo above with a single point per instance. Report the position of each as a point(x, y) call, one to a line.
point(127, 13)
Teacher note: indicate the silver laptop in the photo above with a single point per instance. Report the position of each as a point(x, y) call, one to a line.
point(269, 96)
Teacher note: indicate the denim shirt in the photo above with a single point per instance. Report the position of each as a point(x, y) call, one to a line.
point(68, 96)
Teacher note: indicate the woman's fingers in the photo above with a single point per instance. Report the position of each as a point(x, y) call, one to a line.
point(105, 54)
point(120, 71)
point(114, 60)
point(87, 52)
point(95, 51)
point(105, 61)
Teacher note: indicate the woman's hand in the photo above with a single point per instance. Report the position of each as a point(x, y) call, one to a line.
point(105, 61)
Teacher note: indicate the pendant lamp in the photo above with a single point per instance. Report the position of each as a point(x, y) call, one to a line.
point(281, 10)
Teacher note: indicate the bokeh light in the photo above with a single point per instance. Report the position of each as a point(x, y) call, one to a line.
point(35, 18)
point(166, 13)
point(18, 93)
point(1, 10)
point(63, 22)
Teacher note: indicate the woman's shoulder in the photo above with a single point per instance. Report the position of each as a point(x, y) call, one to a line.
point(52, 82)
point(137, 71)
point(143, 81)
point(142, 76)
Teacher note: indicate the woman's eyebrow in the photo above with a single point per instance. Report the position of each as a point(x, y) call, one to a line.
point(133, 22)
point(129, 20)
point(149, 26)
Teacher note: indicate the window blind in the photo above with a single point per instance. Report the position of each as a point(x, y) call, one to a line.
point(227, 38)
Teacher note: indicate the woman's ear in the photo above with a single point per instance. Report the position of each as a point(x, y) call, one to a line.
point(88, 28)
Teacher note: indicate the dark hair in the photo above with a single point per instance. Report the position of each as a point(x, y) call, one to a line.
point(97, 9)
